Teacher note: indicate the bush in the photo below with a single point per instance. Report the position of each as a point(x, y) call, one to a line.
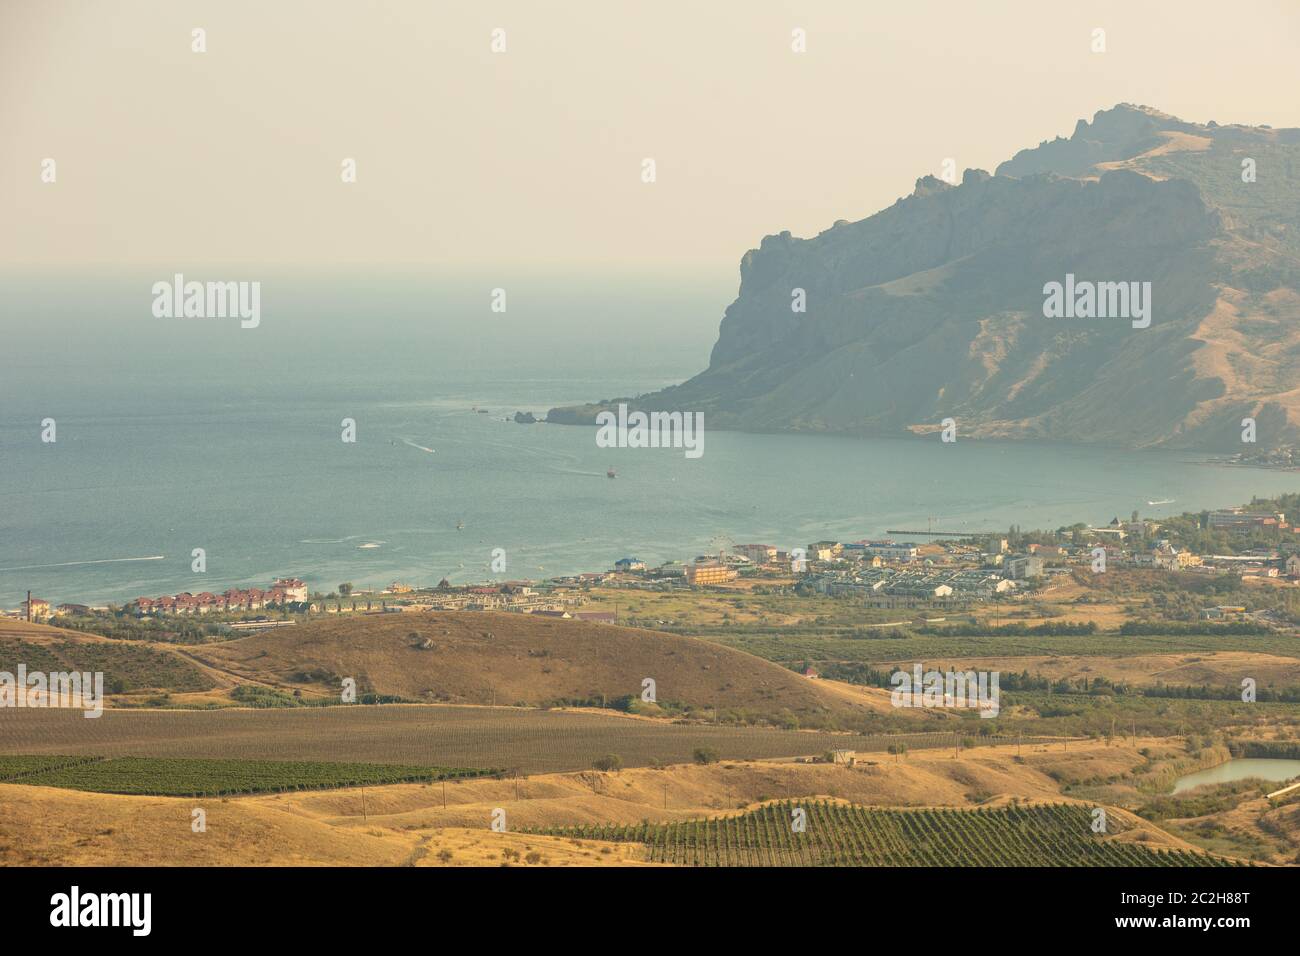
point(705, 755)
point(608, 762)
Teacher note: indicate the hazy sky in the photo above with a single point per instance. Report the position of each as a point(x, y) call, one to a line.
point(531, 159)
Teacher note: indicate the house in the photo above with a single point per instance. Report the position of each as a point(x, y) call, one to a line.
point(849, 757)
point(1262, 571)
point(825, 550)
point(629, 564)
point(1165, 557)
point(236, 599)
point(36, 609)
point(1223, 612)
point(810, 673)
point(295, 591)
point(1293, 565)
point(284, 591)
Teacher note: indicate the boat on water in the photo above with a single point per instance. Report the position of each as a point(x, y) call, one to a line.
point(1162, 501)
point(611, 474)
point(460, 526)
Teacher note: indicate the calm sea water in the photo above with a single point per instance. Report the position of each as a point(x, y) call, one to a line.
point(174, 435)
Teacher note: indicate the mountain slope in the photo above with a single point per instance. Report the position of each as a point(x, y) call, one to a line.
point(934, 307)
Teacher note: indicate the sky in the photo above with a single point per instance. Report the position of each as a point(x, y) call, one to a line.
point(471, 161)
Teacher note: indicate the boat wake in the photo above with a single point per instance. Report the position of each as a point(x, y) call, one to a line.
point(75, 564)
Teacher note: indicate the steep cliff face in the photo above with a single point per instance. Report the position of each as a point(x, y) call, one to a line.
point(934, 307)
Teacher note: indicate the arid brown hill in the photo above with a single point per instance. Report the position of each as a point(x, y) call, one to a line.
point(481, 658)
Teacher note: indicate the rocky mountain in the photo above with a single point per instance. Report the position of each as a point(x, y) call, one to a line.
point(935, 307)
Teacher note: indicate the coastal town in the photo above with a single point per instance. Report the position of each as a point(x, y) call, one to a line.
point(951, 574)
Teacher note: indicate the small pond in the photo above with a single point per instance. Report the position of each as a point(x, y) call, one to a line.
point(1266, 768)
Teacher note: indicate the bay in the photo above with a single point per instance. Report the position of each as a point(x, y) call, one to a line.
point(181, 434)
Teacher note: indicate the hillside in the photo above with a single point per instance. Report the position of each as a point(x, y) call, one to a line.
point(934, 307)
point(432, 825)
point(128, 666)
point(485, 658)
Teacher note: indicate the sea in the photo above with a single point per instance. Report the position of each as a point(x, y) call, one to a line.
point(172, 435)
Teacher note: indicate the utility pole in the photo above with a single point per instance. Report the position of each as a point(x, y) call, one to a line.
point(364, 818)
point(444, 794)
point(29, 607)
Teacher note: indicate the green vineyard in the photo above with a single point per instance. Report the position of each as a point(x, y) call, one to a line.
point(838, 834)
point(181, 777)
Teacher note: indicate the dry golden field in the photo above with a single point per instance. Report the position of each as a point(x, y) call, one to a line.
point(531, 740)
point(450, 825)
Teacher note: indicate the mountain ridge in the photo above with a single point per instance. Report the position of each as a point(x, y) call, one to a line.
point(932, 308)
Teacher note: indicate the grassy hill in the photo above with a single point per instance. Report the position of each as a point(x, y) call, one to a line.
point(127, 666)
point(483, 658)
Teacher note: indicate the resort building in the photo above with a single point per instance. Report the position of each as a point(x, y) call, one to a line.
point(1022, 567)
point(757, 553)
point(700, 574)
point(890, 550)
